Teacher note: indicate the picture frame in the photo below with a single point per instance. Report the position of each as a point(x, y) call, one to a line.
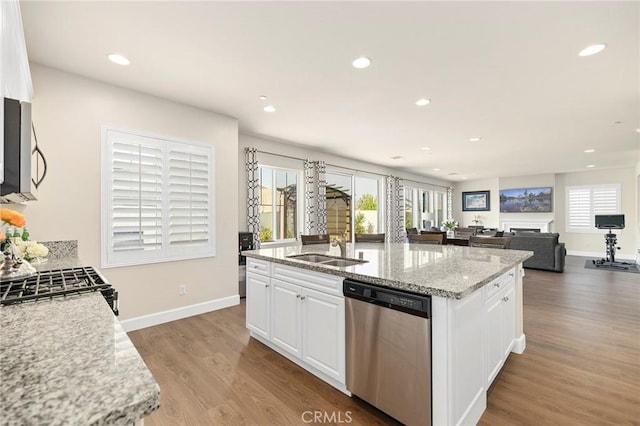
point(527, 200)
point(476, 201)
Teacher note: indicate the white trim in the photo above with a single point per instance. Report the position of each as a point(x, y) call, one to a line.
point(179, 313)
point(543, 225)
point(600, 254)
point(519, 344)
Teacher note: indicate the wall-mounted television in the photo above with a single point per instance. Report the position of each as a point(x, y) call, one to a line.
point(610, 221)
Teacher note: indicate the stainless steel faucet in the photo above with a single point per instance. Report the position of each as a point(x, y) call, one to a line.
point(342, 243)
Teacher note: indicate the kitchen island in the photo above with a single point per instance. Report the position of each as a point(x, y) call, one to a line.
point(68, 361)
point(296, 307)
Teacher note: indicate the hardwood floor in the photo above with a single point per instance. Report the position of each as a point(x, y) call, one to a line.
point(581, 365)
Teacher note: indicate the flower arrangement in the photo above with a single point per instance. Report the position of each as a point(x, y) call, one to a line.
point(450, 224)
point(24, 249)
point(476, 219)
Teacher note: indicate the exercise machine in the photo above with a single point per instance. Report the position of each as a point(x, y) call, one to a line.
point(610, 222)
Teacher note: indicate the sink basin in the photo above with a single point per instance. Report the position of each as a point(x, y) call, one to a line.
point(326, 260)
point(343, 262)
point(313, 258)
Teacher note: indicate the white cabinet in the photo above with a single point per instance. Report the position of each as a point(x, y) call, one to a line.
point(300, 314)
point(500, 323)
point(259, 304)
point(259, 297)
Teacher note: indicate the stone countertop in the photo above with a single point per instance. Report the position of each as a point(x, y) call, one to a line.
point(69, 362)
point(446, 271)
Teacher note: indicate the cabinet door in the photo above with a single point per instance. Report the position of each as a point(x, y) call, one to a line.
point(323, 332)
point(258, 304)
point(494, 337)
point(286, 330)
point(509, 321)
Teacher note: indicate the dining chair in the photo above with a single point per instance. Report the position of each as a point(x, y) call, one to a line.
point(315, 239)
point(412, 231)
point(426, 239)
point(489, 242)
point(464, 232)
point(370, 238)
point(443, 233)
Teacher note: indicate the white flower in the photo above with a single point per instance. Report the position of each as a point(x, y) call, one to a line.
point(31, 249)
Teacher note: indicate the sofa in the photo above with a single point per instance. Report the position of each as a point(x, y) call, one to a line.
point(548, 253)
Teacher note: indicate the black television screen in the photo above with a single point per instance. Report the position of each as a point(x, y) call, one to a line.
point(613, 221)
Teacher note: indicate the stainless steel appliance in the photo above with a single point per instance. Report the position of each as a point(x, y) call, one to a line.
point(57, 283)
point(389, 350)
point(245, 242)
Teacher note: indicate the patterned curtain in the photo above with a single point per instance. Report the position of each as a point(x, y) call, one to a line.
point(321, 206)
point(399, 230)
point(253, 194)
point(389, 209)
point(450, 202)
point(309, 197)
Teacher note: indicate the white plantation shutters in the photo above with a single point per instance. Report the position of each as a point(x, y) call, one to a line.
point(188, 198)
point(584, 202)
point(157, 199)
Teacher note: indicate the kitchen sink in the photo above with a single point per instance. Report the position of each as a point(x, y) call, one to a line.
point(326, 260)
point(313, 258)
point(343, 262)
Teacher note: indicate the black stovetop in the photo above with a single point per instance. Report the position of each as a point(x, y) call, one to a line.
point(57, 283)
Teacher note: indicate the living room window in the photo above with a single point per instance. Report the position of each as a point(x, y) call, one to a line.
point(157, 199)
point(278, 204)
point(585, 201)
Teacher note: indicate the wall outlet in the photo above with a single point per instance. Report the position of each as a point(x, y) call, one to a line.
point(182, 290)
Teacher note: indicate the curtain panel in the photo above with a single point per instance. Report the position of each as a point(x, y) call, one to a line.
point(253, 194)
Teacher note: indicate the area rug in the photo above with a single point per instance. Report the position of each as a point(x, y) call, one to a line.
point(623, 266)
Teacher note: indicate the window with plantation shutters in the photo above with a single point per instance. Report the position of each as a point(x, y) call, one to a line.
point(585, 202)
point(157, 197)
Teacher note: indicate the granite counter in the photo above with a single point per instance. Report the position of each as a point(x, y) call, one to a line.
point(446, 271)
point(69, 362)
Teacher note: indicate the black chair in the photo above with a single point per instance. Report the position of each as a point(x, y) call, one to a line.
point(370, 238)
point(412, 231)
point(315, 239)
point(443, 233)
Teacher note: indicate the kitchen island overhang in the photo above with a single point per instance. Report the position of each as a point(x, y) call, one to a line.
point(476, 310)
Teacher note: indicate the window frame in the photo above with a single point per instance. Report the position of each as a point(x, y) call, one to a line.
point(299, 204)
point(592, 229)
point(166, 252)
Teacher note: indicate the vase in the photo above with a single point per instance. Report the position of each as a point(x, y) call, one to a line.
point(451, 233)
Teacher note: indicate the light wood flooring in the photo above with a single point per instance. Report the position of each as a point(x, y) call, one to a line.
point(581, 365)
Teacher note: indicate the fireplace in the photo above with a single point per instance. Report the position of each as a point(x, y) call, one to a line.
point(526, 225)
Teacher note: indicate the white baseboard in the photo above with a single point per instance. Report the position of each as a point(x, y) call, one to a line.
point(519, 345)
point(179, 313)
point(600, 255)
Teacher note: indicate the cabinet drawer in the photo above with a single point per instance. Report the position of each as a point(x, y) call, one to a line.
point(498, 284)
point(258, 266)
point(315, 280)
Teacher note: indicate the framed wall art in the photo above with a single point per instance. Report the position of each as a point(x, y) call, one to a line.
point(526, 200)
point(475, 201)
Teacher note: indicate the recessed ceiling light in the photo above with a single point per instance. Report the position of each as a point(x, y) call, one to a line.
point(426, 148)
point(464, 177)
point(118, 59)
point(397, 157)
point(638, 130)
point(592, 50)
point(423, 102)
point(591, 166)
point(361, 62)
point(262, 98)
point(476, 139)
point(589, 151)
point(269, 108)
point(436, 170)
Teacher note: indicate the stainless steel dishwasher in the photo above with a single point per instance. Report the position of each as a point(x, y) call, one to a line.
point(389, 350)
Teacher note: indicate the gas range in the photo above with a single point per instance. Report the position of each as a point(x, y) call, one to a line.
point(55, 284)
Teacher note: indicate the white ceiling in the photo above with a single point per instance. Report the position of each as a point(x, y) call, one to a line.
point(508, 72)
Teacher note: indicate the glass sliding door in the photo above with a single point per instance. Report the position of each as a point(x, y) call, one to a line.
point(339, 194)
point(367, 216)
point(278, 204)
point(408, 207)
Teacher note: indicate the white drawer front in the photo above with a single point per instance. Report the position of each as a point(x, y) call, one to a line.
point(499, 283)
point(258, 266)
point(315, 280)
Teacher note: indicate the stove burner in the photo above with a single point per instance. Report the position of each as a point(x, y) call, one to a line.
point(57, 283)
